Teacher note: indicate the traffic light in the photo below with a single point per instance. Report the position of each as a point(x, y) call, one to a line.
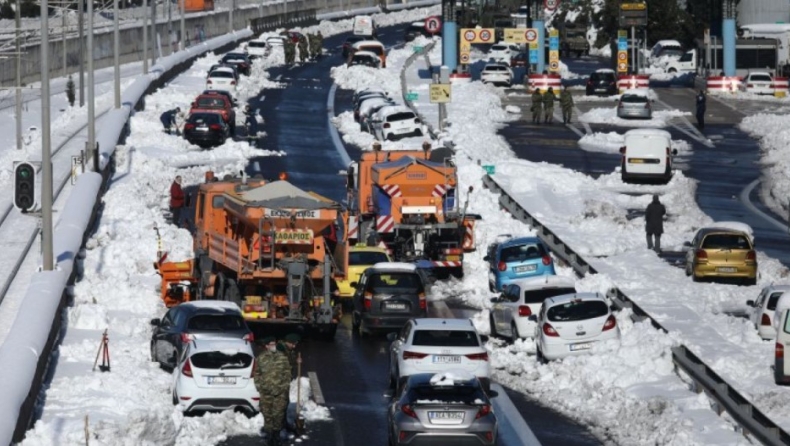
point(25, 187)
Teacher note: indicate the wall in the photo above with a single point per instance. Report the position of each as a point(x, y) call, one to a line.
point(763, 11)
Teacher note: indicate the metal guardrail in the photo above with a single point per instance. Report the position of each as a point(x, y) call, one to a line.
point(752, 421)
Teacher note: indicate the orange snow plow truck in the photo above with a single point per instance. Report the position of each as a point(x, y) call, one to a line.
point(261, 245)
point(408, 200)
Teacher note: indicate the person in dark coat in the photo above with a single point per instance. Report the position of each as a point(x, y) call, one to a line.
point(251, 124)
point(177, 201)
point(168, 120)
point(654, 223)
point(701, 100)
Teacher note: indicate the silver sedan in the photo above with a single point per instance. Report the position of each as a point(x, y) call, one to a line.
point(634, 106)
point(439, 409)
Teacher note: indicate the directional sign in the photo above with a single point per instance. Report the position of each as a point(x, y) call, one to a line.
point(490, 168)
point(622, 45)
point(551, 5)
point(440, 93)
point(417, 49)
point(433, 25)
point(633, 14)
point(533, 56)
point(554, 55)
point(411, 96)
point(514, 35)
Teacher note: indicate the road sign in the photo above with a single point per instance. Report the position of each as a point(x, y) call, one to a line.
point(486, 35)
point(469, 35)
point(417, 49)
point(633, 14)
point(551, 5)
point(622, 67)
point(490, 168)
point(477, 35)
point(520, 35)
point(622, 56)
point(554, 43)
point(554, 55)
point(411, 96)
point(464, 58)
point(433, 25)
point(533, 56)
point(554, 65)
point(532, 35)
point(440, 93)
point(622, 45)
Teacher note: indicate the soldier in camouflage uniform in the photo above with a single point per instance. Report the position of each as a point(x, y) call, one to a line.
point(273, 381)
point(566, 102)
point(288, 347)
point(548, 106)
point(537, 106)
point(319, 44)
point(302, 48)
point(289, 50)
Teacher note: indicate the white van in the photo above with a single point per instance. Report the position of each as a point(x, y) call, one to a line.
point(647, 155)
point(364, 26)
point(782, 358)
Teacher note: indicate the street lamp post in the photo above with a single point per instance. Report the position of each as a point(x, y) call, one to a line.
point(18, 95)
point(91, 89)
point(46, 153)
point(145, 36)
point(117, 51)
point(81, 30)
point(183, 24)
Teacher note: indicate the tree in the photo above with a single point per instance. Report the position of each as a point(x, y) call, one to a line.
point(6, 11)
point(70, 91)
point(29, 8)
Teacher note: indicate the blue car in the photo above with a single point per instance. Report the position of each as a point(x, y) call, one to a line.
point(516, 259)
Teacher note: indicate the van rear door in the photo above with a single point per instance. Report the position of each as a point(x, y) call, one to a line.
point(646, 154)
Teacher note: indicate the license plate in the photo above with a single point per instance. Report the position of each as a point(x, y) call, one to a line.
point(525, 268)
point(253, 300)
point(453, 258)
point(726, 269)
point(577, 347)
point(636, 160)
point(402, 130)
point(457, 417)
point(396, 306)
point(222, 380)
point(446, 359)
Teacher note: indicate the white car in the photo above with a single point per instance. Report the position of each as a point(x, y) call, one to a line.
point(434, 345)
point(502, 52)
point(497, 74)
point(395, 122)
point(763, 309)
point(215, 375)
point(221, 78)
point(647, 155)
point(369, 107)
point(275, 42)
point(521, 299)
point(571, 324)
point(257, 48)
point(758, 83)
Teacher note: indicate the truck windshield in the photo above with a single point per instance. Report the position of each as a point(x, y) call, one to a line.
point(686, 57)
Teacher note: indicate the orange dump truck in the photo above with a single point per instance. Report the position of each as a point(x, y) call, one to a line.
point(408, 200)
point(261, 245)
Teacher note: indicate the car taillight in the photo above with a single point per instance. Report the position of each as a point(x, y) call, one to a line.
point(668, 151)
point(483, 411)
point(215, 127)
point(502, 266)
point(589, 82)
point(189, 126)
point(187, 369)
point(209, 82)
point(387, 125)
point(187, 338)
point(751, 256)
point(620, 106)
point(477, 356)
point(610, 323)
point(408, 410)
point(233, 82)
point(779, 352)
point(765, 320)
point(546, 260)
point(368, 301)
point(249, 337)
point(701, 254)
point(416, 120)
point(548, 330)
point(413, 355)
point(489, 436)
point(423, 301)
point(750, 85)
point(524, 310)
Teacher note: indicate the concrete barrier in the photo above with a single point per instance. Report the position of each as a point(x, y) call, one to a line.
point(723, 84)
point(631, 81)
point(542, 82)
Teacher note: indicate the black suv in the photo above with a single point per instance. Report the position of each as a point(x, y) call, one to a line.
point(603, 82)
point(387, 296)
point(194, 320)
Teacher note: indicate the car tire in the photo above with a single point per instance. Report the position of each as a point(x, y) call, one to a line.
point(175, 398)
point(491, 287)
point(494, 333)
point(390, 137)
point(355, 322)
point(153, 353)
point(695, 278)
point(539, 356)
point(687, 270)
point(514, 334)
point(672, 70)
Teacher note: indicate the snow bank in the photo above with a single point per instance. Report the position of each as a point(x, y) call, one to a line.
point(612, 141)
point(660, 118)
point(773, 131)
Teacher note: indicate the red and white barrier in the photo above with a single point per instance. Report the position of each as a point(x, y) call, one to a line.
point(460, 78)
point(542, 82)
point(631, 81)
point(781, 86)
point(723, 84)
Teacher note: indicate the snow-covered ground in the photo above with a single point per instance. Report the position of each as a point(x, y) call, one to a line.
point(660, 118)
point(773, 131)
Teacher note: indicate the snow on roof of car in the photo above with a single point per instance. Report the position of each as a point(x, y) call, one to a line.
point(217, 304)
point(774, 28)
point(221, 70)
point(451, 377)
point(392, 109)
point(565, 298)
point(446, 324)
point(520, 240)
point(778, 287)
point(548, 281)
point(667, 42)
point(648, 132)
point(403, 266)
point(366, 54)
point(637, 92)
point(226, 345)
point(733, 225)
point(362, 43)
point(604, 70)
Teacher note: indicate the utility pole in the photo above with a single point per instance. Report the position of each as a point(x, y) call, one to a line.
point(153, 33)
point(81, 28)
point(230, 21)
point(18, 24)
point(183, 25)
point(170, 25)
point(117, 54)
point(145, 36)
point(63, 29)
point(91, 90)
point(46, 154)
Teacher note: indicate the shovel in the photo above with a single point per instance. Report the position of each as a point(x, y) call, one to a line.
point(300, 421)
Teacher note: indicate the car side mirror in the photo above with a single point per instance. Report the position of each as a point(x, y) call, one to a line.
point(486, 259)
point(392, 336)
point(674, 152)
point(156, 322)
point(495, 300)
point(750, 303)
point(533, 318)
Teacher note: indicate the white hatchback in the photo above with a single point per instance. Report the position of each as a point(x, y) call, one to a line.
point(521, 299)
point(497, 74)
point(221, 78)
point(395, 122)
point(257, 48)
point(763, 309)
point(215, 375)
point(433, 345)
point(571, 324)
point(502, 52)
point(758, 83)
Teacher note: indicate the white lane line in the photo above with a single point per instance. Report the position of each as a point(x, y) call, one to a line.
point(318, 395)
point(744, 197)
point(693, 133)
point(558, 117)
point(330, 113)
point(587, 128)
point(256, 166)
point(513, 430)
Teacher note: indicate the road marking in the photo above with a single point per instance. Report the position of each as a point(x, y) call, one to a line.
point(744, 197)
point(278, 77)
point(693, 133)
point(318, 395)
point(256, 166)
point(330, 112)
point(513, 430)
point(558, 117)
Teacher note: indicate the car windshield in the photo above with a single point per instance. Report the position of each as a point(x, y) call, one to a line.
point(366, 258)
point(538, 296)
point(495, 68)
point(428, 394)
point(575, 34)
point(255, 44)
point(577, 311)
point(445, 338)
point(222, 74)
point(498, 48)
point(521, 253)
point(402, 116)
point(221, 360)
point(215, 322)
point(674, 52)
point(726, 241)
point(760, 78)
point(686, 57)
point(375, 49)
point(204, 118)
point(633, 99)
point(389, 282)
point(602, 77)
point(210, 103)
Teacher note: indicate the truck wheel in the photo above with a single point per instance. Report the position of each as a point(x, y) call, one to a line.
point(672, 70)
point(232, 293)
point(494, 333)
point(458, 272)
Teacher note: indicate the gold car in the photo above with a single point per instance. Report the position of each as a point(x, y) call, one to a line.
point(360, 258)
point(721, 252)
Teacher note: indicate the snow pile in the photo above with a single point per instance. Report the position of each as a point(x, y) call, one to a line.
point(774, 134)
point(609, 116)
point(302, 392)
point(612, 141)
point(451, 377)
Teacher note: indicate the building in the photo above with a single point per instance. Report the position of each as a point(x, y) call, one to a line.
point(763, 11)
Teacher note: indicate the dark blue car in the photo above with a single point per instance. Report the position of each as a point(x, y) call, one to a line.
point(517, 258)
